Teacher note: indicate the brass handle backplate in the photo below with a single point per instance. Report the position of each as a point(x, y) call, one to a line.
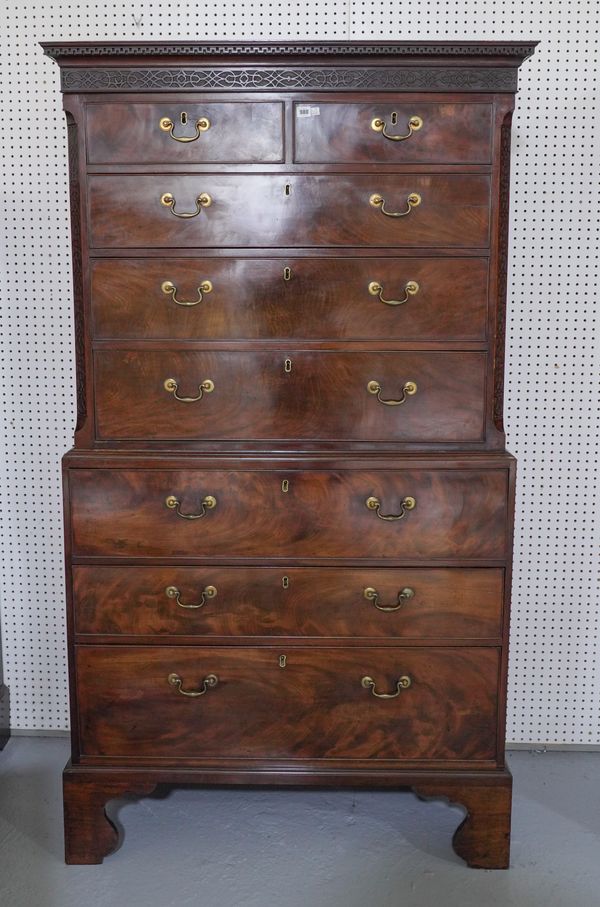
point(408, 390)
point(209, 683)
point(403, 683)
point(412, 200)
point(167, 125)
point(209, 502)
point(206, 387)
point(410, 289)
point(170, 289)
point(407, 504)
point(207, 592)
point(372, 595)
point(202, 201)
point(414, 124)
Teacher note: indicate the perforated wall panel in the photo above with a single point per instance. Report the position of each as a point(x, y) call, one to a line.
point(553, 406)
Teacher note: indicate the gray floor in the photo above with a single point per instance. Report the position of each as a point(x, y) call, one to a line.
point(294, 849)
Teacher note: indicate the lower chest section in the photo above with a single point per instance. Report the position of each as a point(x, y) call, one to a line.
point(197, 703)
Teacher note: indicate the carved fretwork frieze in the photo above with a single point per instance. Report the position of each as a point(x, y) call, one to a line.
point(306, 78)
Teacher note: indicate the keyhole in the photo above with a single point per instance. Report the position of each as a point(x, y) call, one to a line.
point(285, 486)
point(285, 582)
point(287, 366)
point(282, 661)
point(287, 273)
point(183, 118)
point(394, 118)
point(287, 190)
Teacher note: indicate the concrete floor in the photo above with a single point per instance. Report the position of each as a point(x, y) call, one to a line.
point(216, 848)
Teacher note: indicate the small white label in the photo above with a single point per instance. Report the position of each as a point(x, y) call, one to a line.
point(303, 110)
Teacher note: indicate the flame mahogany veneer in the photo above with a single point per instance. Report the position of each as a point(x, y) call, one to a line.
point(289, 580)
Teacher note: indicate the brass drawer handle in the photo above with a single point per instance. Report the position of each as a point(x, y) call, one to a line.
point(408, 390)
point(410, 289)
point(372, 595)
point(207, 592)
point(412, 201)
point(203, 201)
point(207, 387)
point(209, 683)
point(170, 289)
point(402, 683)
point(167, 125)
point(407, 504)
point(208, 503)
point(414, 124)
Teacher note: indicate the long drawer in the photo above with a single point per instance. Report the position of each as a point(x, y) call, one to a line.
point(312, 602)
point(236, 513)
point(166, 394)
point(320, 704)
point(278, 298)
point(396, 130)
point(295, 210)
point(185, 132)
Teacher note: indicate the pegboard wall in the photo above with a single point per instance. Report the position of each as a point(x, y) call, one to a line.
point(553, 405)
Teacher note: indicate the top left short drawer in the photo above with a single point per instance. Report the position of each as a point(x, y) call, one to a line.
point(185, 133)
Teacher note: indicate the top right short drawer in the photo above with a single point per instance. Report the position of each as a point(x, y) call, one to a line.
point(385, 131)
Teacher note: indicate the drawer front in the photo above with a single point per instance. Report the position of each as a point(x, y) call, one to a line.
point(296, 601)
point(268, 395)
point(123, 513)
point(137, 133)
point(316, 706)
point(288, 210)
point(358, 133)
point(252, 299)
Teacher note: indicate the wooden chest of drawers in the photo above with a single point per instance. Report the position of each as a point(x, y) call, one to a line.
point(289, 507)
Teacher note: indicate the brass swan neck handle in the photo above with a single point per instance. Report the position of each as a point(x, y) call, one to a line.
point(167, 125)
point(404, 595)
point(411, 288)
point(403, 683)
point(414, 124)
point(408, 503)
point(169, 289)
point(412, 201)
point(209, 683)
point(209, 502)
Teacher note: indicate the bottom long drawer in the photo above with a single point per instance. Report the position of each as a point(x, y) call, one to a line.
point(379, 703)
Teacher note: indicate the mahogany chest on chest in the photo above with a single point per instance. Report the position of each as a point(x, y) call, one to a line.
point(289, 507)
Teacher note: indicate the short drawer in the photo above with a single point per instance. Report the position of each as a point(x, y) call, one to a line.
point(393, 131)
point(174, 395)
point(245, 513)
point(265, 210)
point(307, 602)
point(297, 298)
point(184, 132)
point(322, 704)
